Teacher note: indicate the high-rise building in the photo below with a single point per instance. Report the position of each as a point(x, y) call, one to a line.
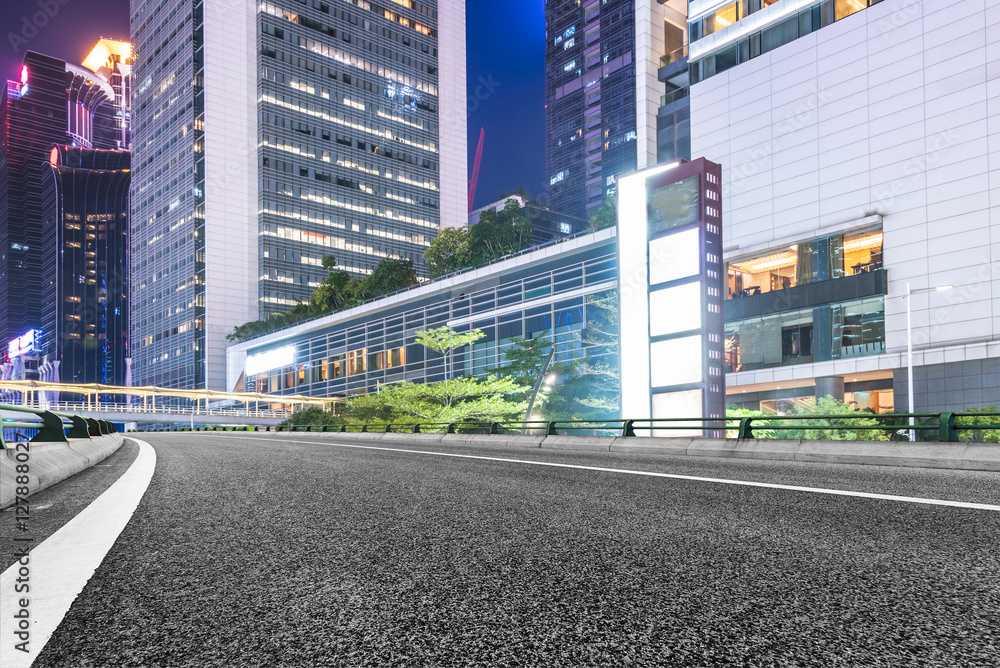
point(603, 94)
point(63, 221)
point(111, 60)
point(268, 135)
point(858, 142)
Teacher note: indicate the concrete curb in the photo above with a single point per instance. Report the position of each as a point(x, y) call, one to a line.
point(964, 456)
point(49, 463)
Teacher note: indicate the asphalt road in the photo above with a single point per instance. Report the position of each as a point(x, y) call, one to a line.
point(252, 551)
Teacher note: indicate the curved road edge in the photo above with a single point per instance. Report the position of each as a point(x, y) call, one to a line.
point(37, 591)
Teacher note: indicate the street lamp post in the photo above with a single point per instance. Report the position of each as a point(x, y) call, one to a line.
point(909, 350)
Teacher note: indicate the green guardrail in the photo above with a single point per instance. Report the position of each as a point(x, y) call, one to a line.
point(53, 426)
point(946, 427)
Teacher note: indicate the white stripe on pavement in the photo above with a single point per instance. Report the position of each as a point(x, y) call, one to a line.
point(61, 565)
point(653, 474)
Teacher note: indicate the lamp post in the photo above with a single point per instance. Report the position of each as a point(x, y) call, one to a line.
point(909, 349)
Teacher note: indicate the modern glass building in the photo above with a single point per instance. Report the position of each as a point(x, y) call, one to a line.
point(64, 186)
point(603, 93)
point(857, 149)
point(271, 135)
point(544, 291)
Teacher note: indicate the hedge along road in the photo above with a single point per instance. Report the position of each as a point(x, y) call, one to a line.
point(271, 551)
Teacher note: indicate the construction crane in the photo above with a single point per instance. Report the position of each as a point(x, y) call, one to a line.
point(475, 169)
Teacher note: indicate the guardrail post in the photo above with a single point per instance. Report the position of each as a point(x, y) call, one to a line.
point(746, 428)
point(388, 429)
point(494, 428)
point(451, 428)
point(946, 426)
point(416, 428)
point(343, 429)
point(551, 429)
point(79, 428)
point(93, 427)
point(364, 429)
point(51, 430)
point(628, 428)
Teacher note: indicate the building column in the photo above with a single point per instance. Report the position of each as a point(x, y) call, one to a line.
point(830, 386)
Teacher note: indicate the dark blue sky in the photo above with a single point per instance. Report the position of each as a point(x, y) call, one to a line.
point(506, 46)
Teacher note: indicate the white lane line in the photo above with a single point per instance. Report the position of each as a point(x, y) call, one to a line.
point(653, 474)
point(62, 564)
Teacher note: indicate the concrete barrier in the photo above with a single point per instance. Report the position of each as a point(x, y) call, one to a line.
point(49, 463)
point(571, 442)
point(966, 456)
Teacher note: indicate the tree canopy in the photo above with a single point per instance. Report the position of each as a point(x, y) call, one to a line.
point(497, 234)
point(337, 292)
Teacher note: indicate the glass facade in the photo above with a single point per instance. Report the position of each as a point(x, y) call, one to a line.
point(835, 331)
point(591, 101)
point(356, 353)
point(820, 259)
point(88, 310)
point(168, 194)
point(348, 123)
point(782, 32)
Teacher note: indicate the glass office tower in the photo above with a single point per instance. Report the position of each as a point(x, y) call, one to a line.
point(602, 93)
point(269, 137)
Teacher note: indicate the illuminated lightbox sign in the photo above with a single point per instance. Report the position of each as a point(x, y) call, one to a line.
point(28, 342)
point(272, 359)
point(670, 285)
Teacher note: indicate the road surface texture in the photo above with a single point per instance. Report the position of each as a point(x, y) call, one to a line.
point(289, 550)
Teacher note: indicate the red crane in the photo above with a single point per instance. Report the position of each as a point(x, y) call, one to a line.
point(475, 169)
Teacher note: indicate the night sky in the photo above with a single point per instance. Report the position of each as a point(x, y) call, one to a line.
point(506, 49)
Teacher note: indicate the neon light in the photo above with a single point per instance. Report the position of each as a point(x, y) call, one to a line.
point(24, 74)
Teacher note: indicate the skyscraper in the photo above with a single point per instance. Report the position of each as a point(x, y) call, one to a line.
point(602, 93)
point(269, 135)
point(63, 221)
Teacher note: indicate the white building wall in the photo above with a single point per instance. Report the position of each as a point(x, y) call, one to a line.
point(894, 110)
point(649, 47)
point(453, 111)
point(230, 179)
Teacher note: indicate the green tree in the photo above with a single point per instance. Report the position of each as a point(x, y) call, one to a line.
point(498, 233)
point(314, 416)
point(524, 359)
point(390, 275)
point(606, 215)
point(599, 386)
point(448, 252)
point(970, 428)
point(759, 424)
point(444, 341)
point(461, 400)
point(840, 421)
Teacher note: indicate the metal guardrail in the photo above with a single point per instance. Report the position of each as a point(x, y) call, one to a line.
point(950, 427)
point(53, 426)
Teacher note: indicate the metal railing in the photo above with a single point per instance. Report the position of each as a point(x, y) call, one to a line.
point(942, 427)
point(51, 426)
